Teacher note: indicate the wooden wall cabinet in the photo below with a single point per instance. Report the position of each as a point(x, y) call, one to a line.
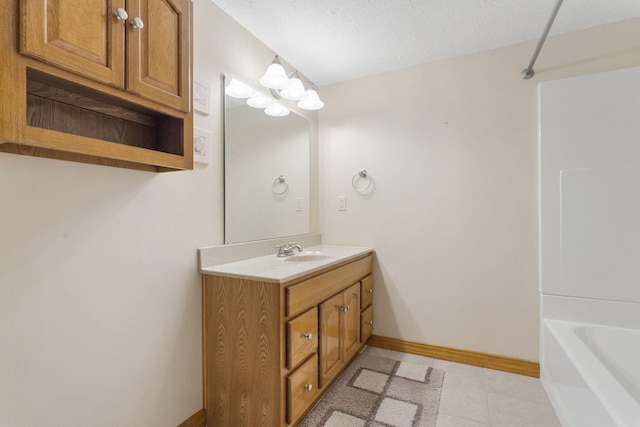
point(272, 349)
point(80, 84)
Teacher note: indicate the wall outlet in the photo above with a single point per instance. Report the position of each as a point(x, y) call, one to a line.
point(342, 203)
point(299, 204)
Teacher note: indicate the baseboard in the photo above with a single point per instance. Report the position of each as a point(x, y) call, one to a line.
point(196, 420)
point(484, 360)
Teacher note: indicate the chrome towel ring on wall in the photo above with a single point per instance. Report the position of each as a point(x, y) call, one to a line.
point(280, 186)
point(361, 175)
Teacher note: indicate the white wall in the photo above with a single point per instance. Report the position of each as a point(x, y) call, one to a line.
point(452, 149)
point(99, 290)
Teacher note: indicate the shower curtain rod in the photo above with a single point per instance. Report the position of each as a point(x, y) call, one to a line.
point(527, 73)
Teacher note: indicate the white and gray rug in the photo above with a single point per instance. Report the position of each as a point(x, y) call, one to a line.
point(380, 392)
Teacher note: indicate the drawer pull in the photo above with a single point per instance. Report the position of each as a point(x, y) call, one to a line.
point(308, 387)
point(308, 337)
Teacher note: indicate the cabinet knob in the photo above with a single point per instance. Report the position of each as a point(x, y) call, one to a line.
point(308, 387)
point(121, 14)
point(137, 23)
point(370, 323)
point(308, 337)
point(345, 308)
point(370, 291)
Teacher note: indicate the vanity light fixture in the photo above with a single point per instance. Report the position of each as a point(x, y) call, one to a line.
point(289, 86)
point(311, 101)
point(275, 77)
point(296, 90)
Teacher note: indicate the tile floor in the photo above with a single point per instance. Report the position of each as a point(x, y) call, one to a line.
point(481, 397)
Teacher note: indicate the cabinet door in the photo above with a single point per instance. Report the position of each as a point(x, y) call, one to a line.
point(80, 36)
point(159, 52)
point(330, 351)
point(351, 321)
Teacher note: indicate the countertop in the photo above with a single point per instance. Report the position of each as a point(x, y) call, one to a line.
point(275, 269)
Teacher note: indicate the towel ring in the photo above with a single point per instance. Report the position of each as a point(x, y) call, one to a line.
point(285, 186)
point(362, 174)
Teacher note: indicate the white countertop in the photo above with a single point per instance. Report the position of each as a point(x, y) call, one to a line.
point(271, 268)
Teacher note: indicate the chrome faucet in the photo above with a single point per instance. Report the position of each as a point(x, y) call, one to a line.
point(286, 249)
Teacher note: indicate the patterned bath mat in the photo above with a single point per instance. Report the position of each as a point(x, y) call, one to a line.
point(380, 392)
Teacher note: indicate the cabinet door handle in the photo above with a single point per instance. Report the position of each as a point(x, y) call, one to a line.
point(308, 337)
point(345, 308)
point(370, 323)
point(370, 291)
point(308, 387)
point(137, 23)
point(121, 14)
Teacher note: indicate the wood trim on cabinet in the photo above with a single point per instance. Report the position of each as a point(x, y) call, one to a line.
point(313, 291)
point(196, 420)
point(484, 360)
point(60, 141)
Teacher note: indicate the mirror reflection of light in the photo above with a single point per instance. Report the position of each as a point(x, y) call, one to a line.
point(258, 100)
point(277, 110)
point(237, 89)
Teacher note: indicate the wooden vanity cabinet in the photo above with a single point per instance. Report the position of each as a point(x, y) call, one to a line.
point(79, 84)
point(272, 349)
point(339, 332)
point(366, 308)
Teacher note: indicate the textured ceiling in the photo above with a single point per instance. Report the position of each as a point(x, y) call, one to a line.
point(331, 41)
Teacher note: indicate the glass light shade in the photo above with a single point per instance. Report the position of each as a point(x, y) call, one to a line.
point(237, 89)
point(295, 90)
point(311, 101)
point(258, 100)
point(277, 110)
point(275, 77)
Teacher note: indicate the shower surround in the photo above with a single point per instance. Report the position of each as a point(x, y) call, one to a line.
point(590, 247)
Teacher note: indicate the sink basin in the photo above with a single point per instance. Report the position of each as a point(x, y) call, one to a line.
point(308, 257)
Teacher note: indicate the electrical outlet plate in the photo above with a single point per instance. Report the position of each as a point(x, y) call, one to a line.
point(342, 203)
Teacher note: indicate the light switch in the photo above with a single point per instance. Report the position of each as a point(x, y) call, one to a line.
point(299, 204)
point(342, 203)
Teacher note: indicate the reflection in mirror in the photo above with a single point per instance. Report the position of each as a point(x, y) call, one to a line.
point(266, 168)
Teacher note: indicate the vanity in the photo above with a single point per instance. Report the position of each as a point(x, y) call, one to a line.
point(277, 331)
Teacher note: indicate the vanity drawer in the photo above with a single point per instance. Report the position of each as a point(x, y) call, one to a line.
point(366, 291)
point(304, 295)
point(302, 389)
point(302, 337)
point(366, 323)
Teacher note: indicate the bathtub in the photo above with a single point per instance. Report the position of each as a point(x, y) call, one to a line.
point(592, 373)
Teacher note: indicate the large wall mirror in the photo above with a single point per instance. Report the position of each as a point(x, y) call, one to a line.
point(266, 173)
